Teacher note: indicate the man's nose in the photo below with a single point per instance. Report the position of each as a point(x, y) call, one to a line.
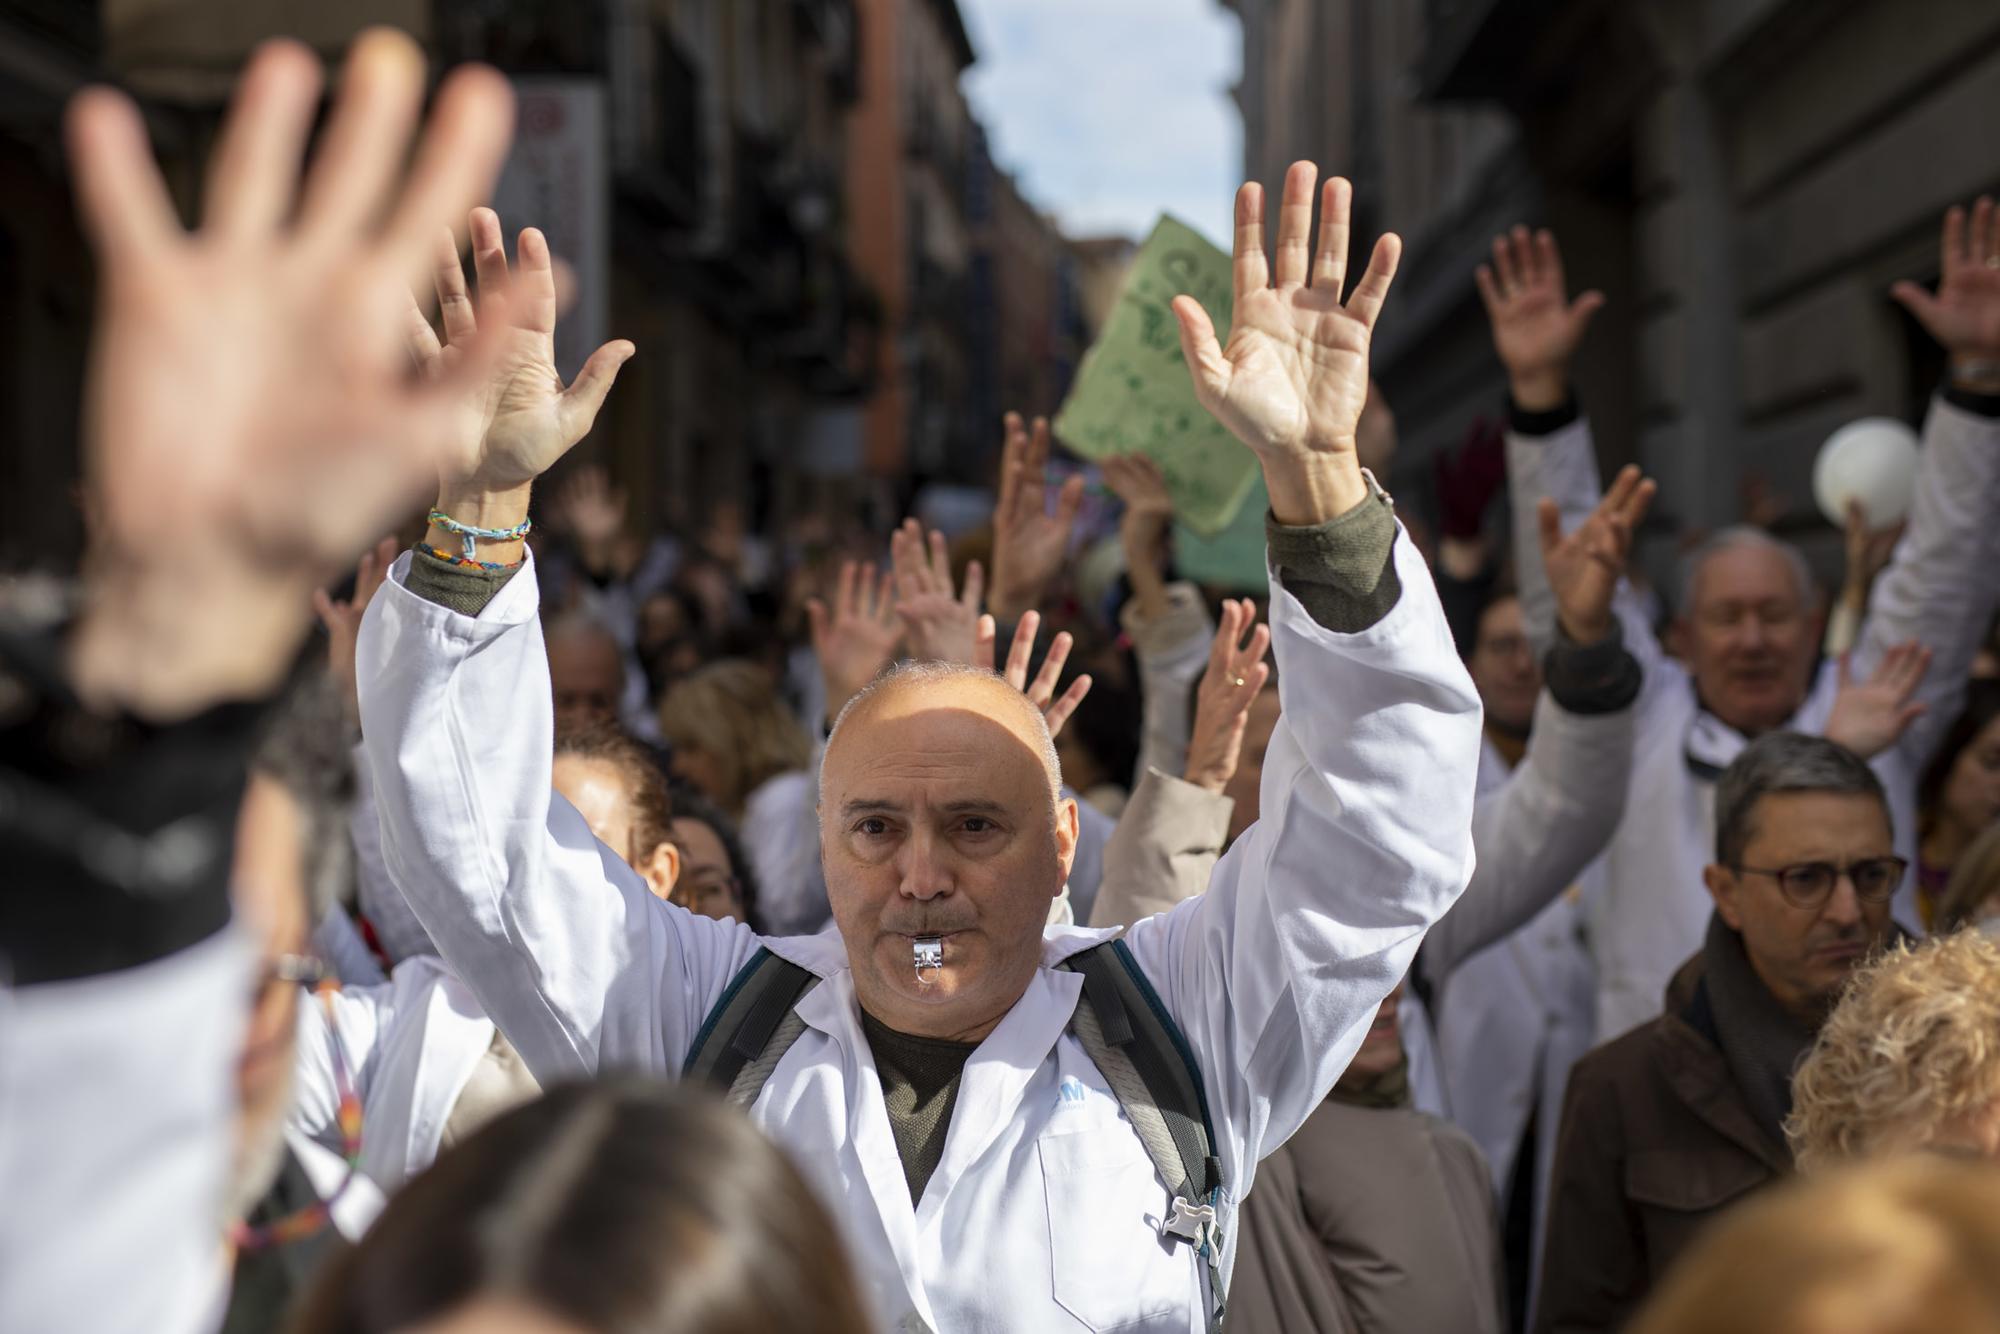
point(1843, 904)
point(925, 869)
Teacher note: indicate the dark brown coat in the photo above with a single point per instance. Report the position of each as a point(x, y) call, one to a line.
point(1655, 1141)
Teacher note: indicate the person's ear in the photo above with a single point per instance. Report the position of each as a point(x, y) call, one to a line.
point(1069, 830)
point(662, 870)
point(1725, 889)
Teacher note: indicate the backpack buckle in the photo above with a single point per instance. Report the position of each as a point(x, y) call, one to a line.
point(1190, 1222)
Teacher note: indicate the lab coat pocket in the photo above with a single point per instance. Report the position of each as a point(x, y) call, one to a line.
point(1110, 1267)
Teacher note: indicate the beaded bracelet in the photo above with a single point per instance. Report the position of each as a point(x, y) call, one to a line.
point(472, 535)
point(466, 562)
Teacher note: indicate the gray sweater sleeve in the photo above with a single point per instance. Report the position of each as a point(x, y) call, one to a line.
point(1343, 571)
point(458, 588)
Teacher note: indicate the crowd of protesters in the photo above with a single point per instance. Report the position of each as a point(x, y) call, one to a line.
point(533, 921)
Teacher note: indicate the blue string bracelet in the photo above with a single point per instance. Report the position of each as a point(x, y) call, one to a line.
point(473, 536)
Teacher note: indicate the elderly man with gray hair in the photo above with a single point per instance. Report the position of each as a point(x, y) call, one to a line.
point(1670, 1124)
point(1749, 620)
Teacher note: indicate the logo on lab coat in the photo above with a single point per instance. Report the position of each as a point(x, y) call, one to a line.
point(1071, 1091)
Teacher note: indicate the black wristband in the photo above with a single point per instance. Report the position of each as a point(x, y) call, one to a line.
point(1522, 422)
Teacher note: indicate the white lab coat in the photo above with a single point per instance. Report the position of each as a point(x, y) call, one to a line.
point(1940, 589)
point(1045, 1211)
point(117, 1126)
point(410, 1045)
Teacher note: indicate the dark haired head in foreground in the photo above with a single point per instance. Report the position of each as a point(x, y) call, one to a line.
point(625, 1206)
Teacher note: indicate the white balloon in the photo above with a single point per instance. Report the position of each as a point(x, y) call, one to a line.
point(1872, 460)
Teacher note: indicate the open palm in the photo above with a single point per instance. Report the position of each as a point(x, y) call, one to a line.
point(1584, 566)
point(1964, 315)
point(518, 419)
point(1536, 327)
point(1293, 376)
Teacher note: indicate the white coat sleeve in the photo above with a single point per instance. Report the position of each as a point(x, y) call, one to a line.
point(560, 941)
point(1535, 833)
point(1316, 911)
point(1941, 585)
point(1562, 465)
point(117, 1124)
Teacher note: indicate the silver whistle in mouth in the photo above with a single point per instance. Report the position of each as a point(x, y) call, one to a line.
point(927, 952)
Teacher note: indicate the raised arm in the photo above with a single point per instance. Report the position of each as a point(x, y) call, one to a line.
point(249, 423)
point(1550, 456)
point(1535, 833)
point(1314, 914)
point(1941, 588)
point(561, 941)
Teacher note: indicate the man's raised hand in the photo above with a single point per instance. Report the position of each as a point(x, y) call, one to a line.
point(857, 638)
point(1041, 691)
point(1292, 379)
point(1029, 542)
point(1536, 327)
point(939, 623)
point(1870, 716)
point(1964, 315)
point(1585, 566)
point(250, 420)
point(517, 419)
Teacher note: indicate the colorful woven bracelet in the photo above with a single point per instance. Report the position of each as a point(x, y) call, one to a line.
point(473, 536)
point(467, 562)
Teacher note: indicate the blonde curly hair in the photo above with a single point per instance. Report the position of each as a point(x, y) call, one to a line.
point(1912, 1049)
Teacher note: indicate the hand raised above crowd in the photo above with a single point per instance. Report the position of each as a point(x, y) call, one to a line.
point(1291, 381)
point(1536, 327)
point(1235, 675)
point(1584, 566)
point(1041, 691)
point(1869, 716)
point(858, 636)
point(517, 418)
point(1964, 314)
point(939, 623)
point(250, 421)
point(1030, 541)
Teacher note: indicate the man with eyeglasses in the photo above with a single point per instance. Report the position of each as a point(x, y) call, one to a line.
point(1681, 1117)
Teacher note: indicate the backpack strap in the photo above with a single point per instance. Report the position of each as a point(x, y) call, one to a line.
point(1125, 1029)
point(752, 1026)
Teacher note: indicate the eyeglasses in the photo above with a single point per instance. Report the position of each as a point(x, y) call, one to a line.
point(1807, 884)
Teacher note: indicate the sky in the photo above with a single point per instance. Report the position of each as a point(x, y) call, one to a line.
point(1109, 112)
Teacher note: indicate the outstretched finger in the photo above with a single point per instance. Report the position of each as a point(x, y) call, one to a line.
point(255, 170)
point(1489, 293)
point(1503, 266)
point(1373, 289)
point(940, 564)
point(454, 301)
point(817, 620)
point(326, 609)
point(1843, 669)
point(1951, 245)
point(123, 201)
point(421, 339)
point(1059, 711)
point(584, 398)
point(1260, 644)
point(1336, 204)
point(367, 136)
point(904, 562)
point(1044, 688)
point(534, 281)
point(1022, 649)
point(1526, 262)
point(1228, 629)
point(1199, 347)
point(843, 597)
point(984, 632)
point(1248, 269)
point(885, 599)
point(1549, 262)
point(489, 254)
point(975, 586)
point(1295, 211)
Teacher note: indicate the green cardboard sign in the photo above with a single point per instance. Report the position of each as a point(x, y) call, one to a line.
point(1133, 391)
